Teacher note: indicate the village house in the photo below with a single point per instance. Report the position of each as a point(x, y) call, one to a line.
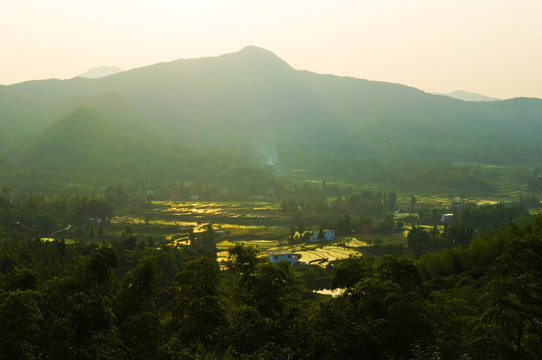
point(327, 235)
point(276, 256)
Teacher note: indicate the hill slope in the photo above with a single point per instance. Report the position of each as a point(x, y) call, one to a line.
point(252, 100)
point(101, 71)
point(467, 96)
point(83, 141)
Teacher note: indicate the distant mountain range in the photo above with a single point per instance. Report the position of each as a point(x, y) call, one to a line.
point(250, 106)
point(98, 72)
point(467, 96)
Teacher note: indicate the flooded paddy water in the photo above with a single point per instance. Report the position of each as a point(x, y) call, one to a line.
point(258, 224)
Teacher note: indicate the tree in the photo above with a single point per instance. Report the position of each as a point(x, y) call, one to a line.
point(196, 312)
point(418, 240)
point(135, 309)
point(347, 225)
point(301, 227)
point(392, 199)
point(347, 272)
point(400, 271)
point(205, 242)
point(266, 302)
point(291, 237)
point(81, 323)
point(511, 324)
point(21, 321)
point(272, 289)
point(321, 234)
point(21, 278)
point(242, 260)
point(374, 319)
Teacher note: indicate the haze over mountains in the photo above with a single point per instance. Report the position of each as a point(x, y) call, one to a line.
point(101, 71)
point(468, 96)
point(244, 106)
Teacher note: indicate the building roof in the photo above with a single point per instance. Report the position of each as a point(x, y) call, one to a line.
point(280, 252)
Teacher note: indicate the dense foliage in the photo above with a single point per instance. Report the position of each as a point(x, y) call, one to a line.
point(193, 120)
point(468, 285)
point(117, 301)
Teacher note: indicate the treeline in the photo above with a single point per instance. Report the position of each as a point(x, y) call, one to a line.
point(34, 215)
point(142, 302)
point(368, 210)
point(467, 222)
point(534, 181)
point(489, 216)
point(406, 174)
point(365, 202)
point(217, 179)
point(212, 177)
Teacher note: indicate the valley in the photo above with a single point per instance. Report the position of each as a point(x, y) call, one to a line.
point(139, 210)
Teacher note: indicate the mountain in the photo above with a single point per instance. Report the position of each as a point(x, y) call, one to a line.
point(83, 141)
point(86, 145)
point(251, 105)
point(98, 72)
point(467, 96)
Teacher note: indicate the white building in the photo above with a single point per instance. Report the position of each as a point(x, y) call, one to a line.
point(276, 256)
point(328, 235)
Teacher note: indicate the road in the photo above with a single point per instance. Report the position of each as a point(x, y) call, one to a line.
point(66, 228)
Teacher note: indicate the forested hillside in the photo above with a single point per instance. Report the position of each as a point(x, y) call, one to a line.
point(139, 215)
point(245, 99)
point(141, 300)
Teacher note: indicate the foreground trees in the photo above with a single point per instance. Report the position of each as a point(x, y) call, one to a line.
point(476, 302)
point(80, 323)
point(378, 317)
point(511, 324)
point(195, 316)
point(136, 312)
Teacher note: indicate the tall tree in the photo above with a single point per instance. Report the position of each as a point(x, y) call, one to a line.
point(81, 321)
point(135, 309)
point(196, 312)
point(21, 322)
point(392, 200)
point(347, 272)
point(510, 327)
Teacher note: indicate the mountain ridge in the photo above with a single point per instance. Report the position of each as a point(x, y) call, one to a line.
point(235, 101)
point(468, 96)
point(100, 71)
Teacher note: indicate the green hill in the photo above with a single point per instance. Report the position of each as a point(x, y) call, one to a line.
point(84, 141)
point(251, 104)
point(85, 146)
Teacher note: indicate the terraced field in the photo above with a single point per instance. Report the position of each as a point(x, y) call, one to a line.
point(259, 224)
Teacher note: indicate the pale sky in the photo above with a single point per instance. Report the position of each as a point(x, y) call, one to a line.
point(491, 47)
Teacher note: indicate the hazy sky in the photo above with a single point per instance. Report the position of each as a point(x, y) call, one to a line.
point(492, 47)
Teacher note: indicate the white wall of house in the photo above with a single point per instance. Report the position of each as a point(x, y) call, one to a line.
point(276, 256)
point(328, 235)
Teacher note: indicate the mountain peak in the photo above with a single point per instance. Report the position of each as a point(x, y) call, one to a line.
point(468, 96)
point(259, 55)
point(252, 49)
point(100, 71)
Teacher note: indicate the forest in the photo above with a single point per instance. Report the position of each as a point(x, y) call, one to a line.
point(138, 212)
point(468, 290)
